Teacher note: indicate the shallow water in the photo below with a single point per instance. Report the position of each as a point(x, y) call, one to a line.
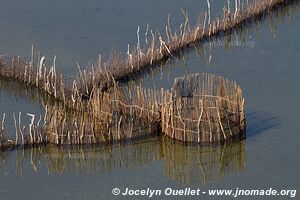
point(266, 69)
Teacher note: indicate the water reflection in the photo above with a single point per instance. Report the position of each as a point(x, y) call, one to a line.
point(185, 164)
point(188, 164)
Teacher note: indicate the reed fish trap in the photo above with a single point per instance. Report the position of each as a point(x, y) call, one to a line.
point(201, 108)
point(204, 108)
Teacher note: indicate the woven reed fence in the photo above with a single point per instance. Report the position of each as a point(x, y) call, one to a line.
point(125, 113)
point(122, 114)
point(201, 108)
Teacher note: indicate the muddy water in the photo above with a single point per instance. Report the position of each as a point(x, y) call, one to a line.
point(263, 59)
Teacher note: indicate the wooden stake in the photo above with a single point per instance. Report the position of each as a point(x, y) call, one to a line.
point(30, 126)
point(199, 122)
point(16, 128)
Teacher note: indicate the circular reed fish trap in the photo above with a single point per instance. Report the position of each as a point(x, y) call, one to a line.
point(204, 108)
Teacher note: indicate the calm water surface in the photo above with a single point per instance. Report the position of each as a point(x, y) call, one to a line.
point(266, 66)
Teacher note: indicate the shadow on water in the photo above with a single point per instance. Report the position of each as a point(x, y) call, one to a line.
point(259, 122)
point(185, 164)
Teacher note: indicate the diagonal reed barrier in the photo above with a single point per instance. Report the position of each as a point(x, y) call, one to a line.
point(158, 49)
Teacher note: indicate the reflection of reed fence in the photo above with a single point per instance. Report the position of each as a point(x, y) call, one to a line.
point(186, 164)
point(101, 159)
point(85, 159)
point(193, 165)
